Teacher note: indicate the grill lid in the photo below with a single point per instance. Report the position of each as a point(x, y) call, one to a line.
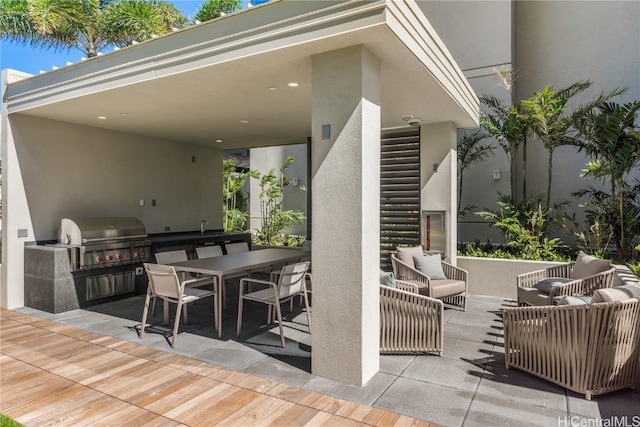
point(81, 231)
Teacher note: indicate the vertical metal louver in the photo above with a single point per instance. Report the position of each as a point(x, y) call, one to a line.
point(399, 193)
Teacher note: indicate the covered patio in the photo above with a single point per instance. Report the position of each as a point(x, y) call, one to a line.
point(467, 386)
point(151, 121)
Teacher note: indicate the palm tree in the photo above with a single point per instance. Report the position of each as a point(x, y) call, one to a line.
point(609, 135)
point(550, 123)
point(510, 128)
point(87, 25)
point(212, 9)
point(508, 125)
point(471, 151)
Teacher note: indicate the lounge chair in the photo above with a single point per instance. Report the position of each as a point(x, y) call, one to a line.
point(579, 278)
point(410, 323)
point(434, 277)
point(590, 349)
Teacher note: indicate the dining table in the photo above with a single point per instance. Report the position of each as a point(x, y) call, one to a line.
point(222, 266)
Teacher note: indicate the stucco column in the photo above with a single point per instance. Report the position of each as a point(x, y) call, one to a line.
point(16, 219)
point(438, 177)
point(345, 164)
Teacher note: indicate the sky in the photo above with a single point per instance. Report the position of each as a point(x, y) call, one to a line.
point(32, 61)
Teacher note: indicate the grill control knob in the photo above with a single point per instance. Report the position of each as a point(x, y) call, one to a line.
point(99, 259)
point(119, 256)
point(138, 255)
point(110, 258)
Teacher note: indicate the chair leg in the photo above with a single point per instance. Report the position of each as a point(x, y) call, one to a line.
point(176, 325)
point(280, 323)
point(144, 314)
point(240, 304)
point(306, 305)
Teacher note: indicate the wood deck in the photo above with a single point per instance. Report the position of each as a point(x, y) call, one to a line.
point(58, 375)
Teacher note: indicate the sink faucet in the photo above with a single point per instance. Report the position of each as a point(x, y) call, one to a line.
point(202, 223)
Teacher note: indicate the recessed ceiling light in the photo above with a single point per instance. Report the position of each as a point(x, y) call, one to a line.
point(102, 118)
point(272, 88)
point(218, 140)
point(244, 121)
point(293, 84)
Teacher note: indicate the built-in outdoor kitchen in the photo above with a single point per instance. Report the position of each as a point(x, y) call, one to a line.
point(96, 260)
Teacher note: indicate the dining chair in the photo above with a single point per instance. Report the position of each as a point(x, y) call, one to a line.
point(290, 283)
point(234, 248)
point(209, 251)
point(165, 284)
point(169, 257)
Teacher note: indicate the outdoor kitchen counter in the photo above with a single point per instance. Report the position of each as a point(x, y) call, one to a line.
point(190, 240)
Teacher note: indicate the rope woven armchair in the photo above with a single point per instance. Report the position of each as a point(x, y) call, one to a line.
point(451, 286)
point(410, 323)
point(590, 349)
point(579, 278)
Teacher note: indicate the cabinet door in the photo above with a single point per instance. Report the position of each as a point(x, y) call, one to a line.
point(123, 282)
point(99, 287)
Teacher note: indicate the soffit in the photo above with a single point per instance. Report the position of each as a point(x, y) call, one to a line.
point(196, 86)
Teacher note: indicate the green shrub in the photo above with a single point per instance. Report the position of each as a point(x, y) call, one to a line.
point(526, 226)
point(5, 421)
point(559, 254)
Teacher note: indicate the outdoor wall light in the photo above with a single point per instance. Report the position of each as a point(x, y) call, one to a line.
point(497, 174)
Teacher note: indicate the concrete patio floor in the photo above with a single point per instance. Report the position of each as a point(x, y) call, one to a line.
point(467, 386)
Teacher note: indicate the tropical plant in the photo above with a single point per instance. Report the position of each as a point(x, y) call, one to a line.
point(527, 225)
point(509, 125)
point(211, 9)
point(608, 134)
point(273, 219)
point(470, 151)
point(87, 25)
point(603, 221)
point(550, 122)
point(235, 201)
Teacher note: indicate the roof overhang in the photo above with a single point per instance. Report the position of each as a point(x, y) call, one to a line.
point(197, 85)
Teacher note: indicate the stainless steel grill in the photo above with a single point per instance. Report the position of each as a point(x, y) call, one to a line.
point(104, 242)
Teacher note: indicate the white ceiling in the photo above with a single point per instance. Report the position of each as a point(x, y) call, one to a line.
point(204, 102)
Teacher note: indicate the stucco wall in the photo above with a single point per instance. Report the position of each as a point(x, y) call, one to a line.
point(479, 36)
point(74, 171)
point(548, 42)
point(560, 43)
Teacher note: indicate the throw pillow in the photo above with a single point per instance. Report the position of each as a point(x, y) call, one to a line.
point(571, 300)
point(430, 265)
point(387, 279)
point(545, 285)
point(618, 293)
point(587, 265)
point(406, 254)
